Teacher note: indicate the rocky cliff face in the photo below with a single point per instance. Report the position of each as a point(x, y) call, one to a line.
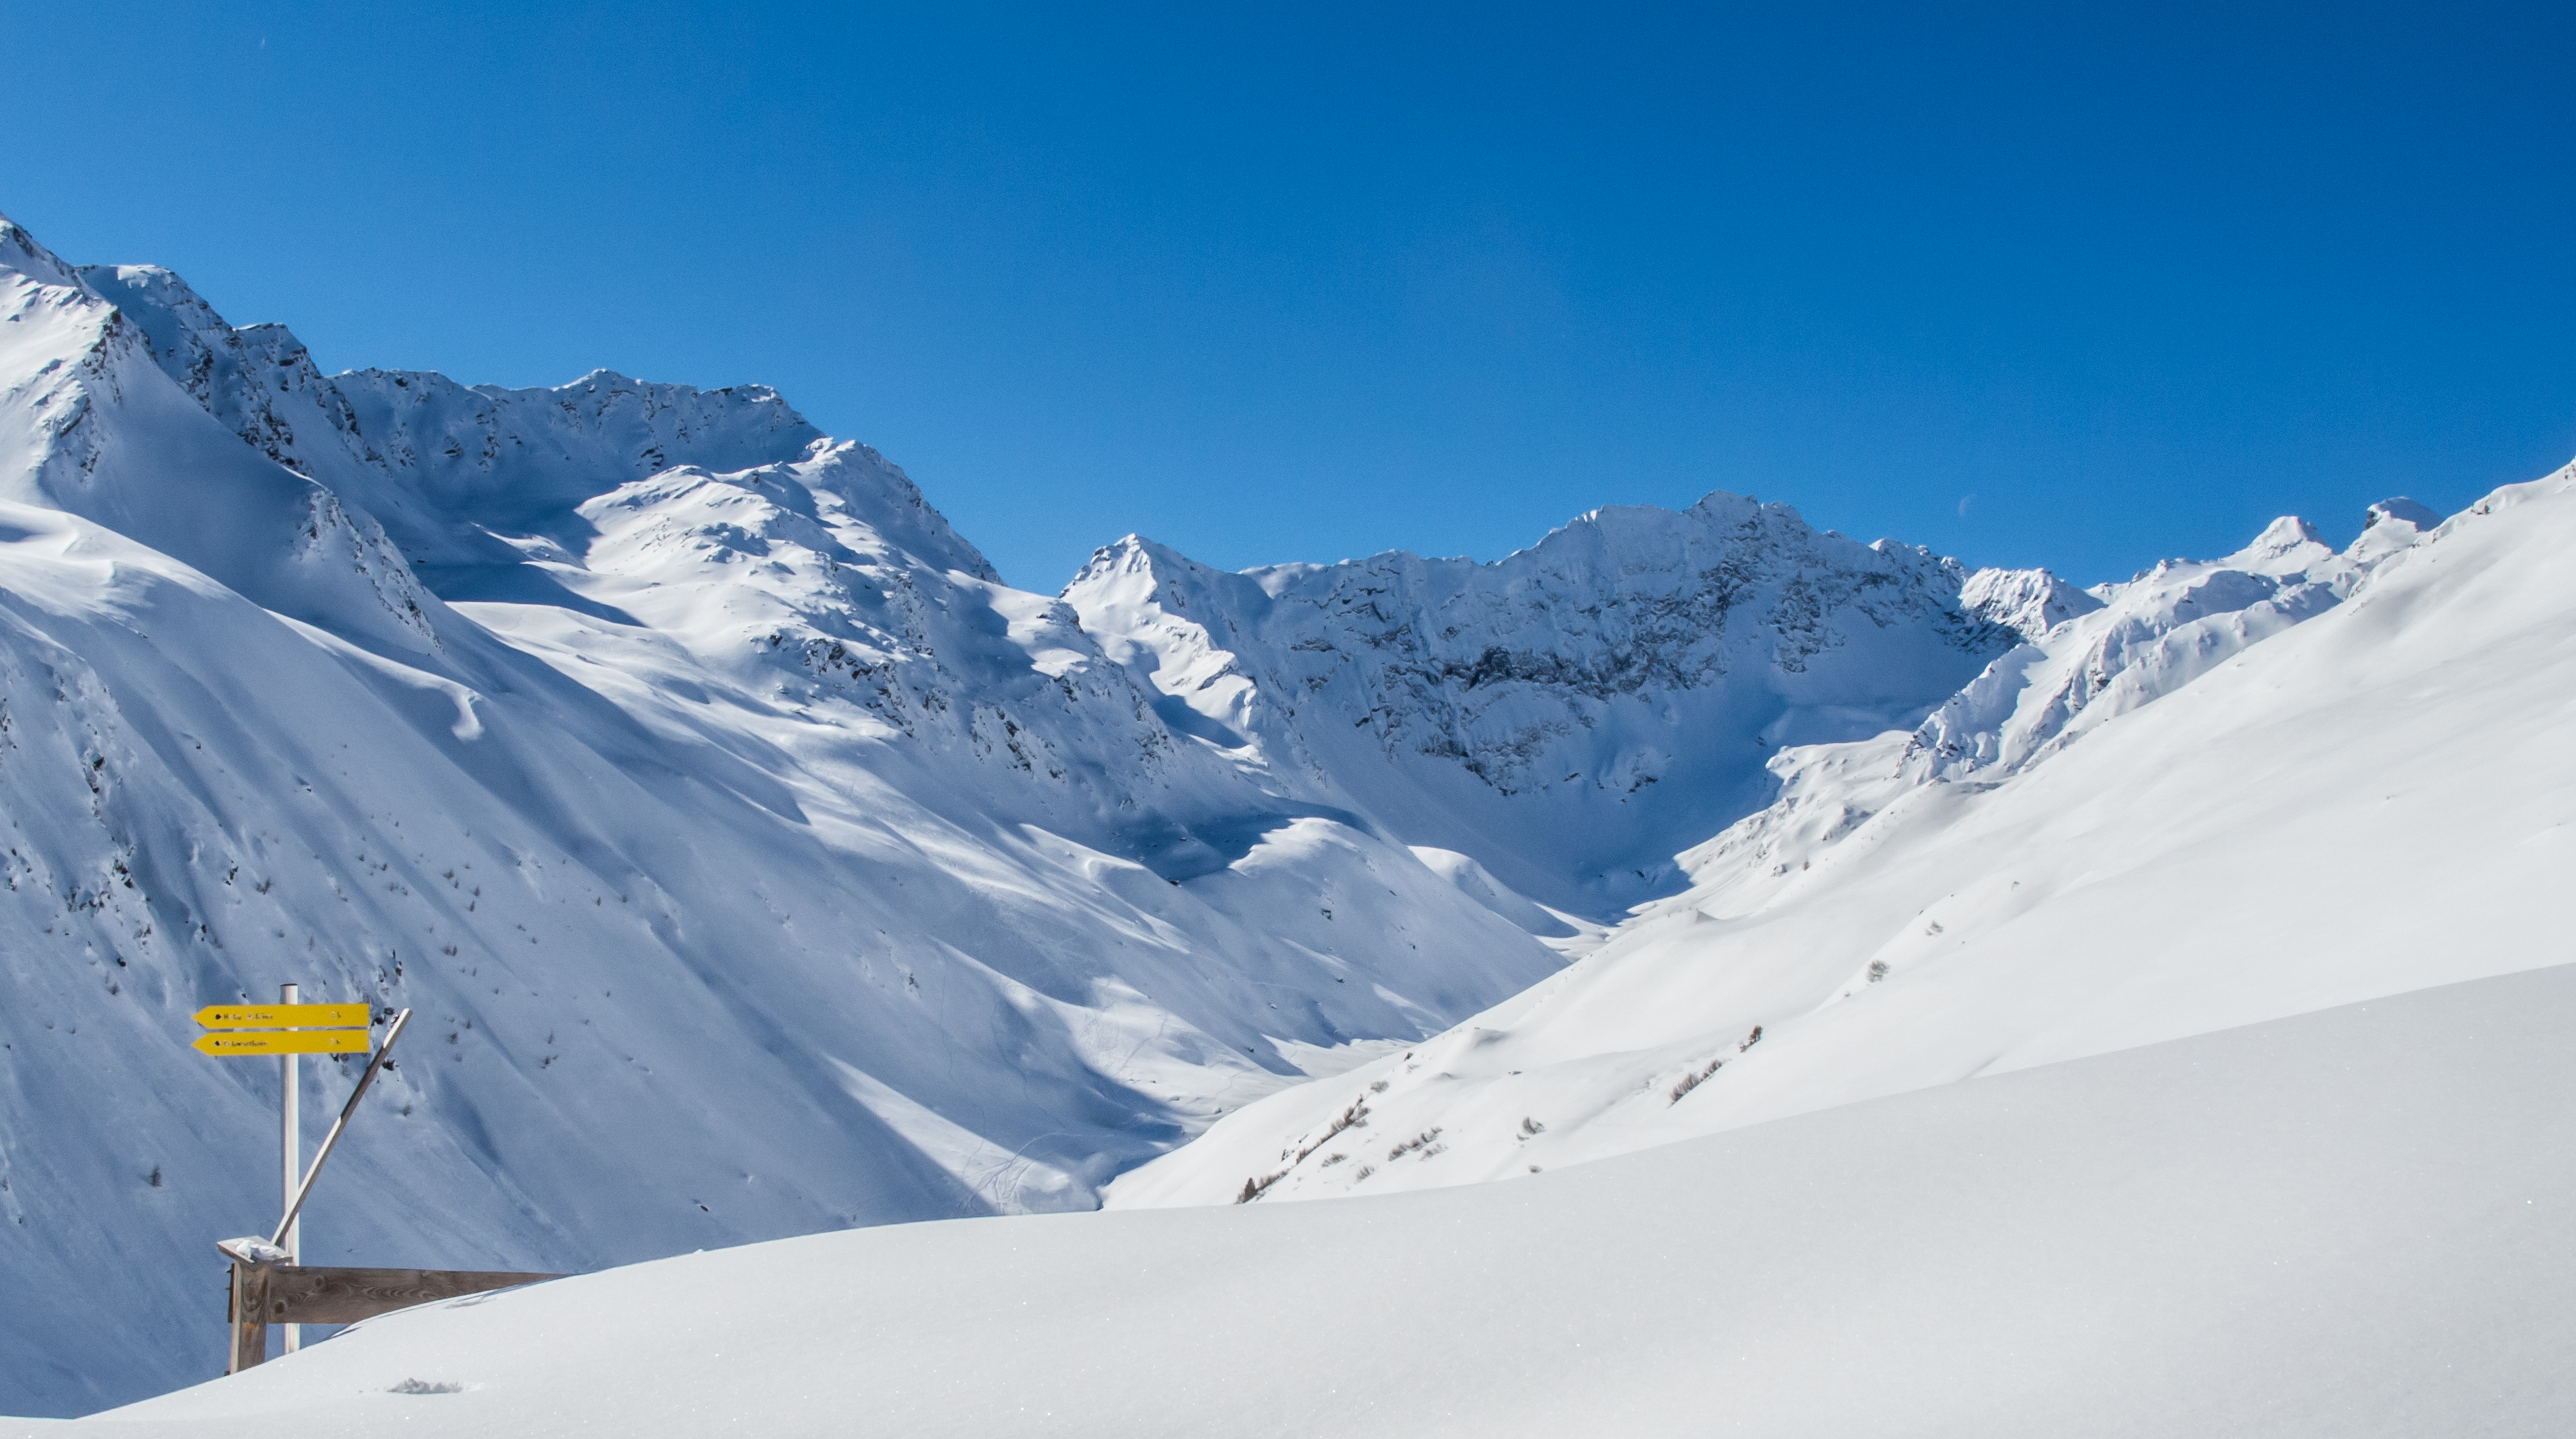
point(1573, 714)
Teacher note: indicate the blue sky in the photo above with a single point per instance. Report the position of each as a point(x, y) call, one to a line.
point(2076, 286)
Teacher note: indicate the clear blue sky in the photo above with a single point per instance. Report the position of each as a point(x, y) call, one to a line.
point(2068, 284)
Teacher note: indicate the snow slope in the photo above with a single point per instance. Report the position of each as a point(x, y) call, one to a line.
point(2348, 1224)
point(2233, 791)
point(755, 861)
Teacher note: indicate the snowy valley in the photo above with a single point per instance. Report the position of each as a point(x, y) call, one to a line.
point(758, 863)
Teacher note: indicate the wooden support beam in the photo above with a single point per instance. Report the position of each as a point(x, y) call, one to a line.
point(265, 1294)
point(311, 1294)
point(249, 1316)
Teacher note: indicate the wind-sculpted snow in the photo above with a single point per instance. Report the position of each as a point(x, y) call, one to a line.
point(1571, 715)
point(2238, 790)
point(754, 861)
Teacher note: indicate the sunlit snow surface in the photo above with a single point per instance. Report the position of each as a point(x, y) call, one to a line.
point(2348, 1224)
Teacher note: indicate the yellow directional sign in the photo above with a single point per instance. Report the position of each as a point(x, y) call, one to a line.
point(286, 1041)
point(283, 1016)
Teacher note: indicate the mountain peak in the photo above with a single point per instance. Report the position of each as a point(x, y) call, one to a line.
point(2402, 510)
point(2288, 544)
point(1726, 504)
point(20, 251)
point(2028, 602)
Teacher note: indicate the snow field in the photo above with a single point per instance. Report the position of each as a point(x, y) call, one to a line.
point(2350, 1223)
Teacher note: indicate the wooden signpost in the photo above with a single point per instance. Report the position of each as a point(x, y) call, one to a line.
point(269, 1286)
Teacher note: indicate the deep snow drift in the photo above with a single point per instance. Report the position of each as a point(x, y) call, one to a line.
point(756, 861)
point(2347, 1224)
point(2227, 792)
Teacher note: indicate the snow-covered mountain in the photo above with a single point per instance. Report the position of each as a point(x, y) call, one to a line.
point(1571, 716)
point(755, 860)
point(2213, 795)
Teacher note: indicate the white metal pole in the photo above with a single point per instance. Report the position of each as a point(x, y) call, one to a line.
point(291, 1142)
point(365, 1077)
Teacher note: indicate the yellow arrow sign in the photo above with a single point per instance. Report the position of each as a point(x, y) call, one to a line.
point(283, 1016)
point(285, 1041)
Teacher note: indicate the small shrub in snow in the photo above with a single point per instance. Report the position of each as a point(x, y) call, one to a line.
point(1254, 1188)
point(1419, 1141)
point(1355, 1117)
point(1696, 1078)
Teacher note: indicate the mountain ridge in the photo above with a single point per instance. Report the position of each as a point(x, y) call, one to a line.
point(1632, 647)
point(2231, 791)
